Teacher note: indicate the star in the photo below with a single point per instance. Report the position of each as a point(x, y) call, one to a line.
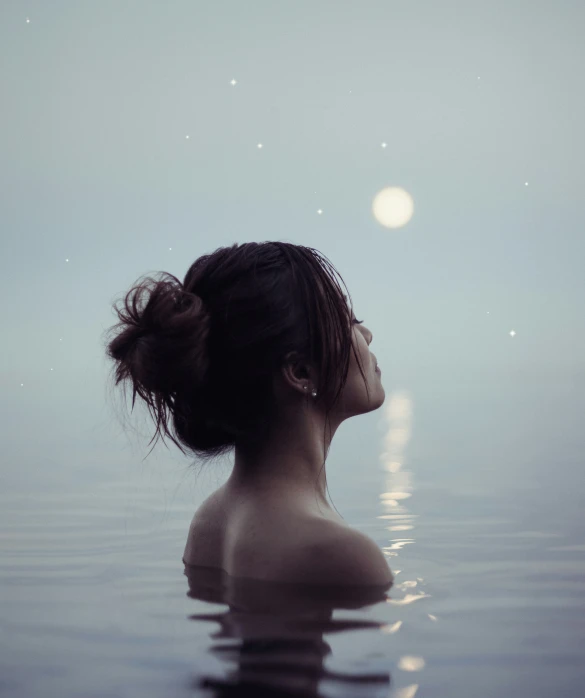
point(512, 333)
point(259, 145)
point(233, 82)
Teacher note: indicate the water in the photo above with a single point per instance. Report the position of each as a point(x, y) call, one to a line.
point(473, 489)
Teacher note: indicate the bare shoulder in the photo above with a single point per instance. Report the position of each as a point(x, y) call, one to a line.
point(338, 554)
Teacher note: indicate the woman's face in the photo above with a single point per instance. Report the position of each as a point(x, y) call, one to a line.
point(354, 397)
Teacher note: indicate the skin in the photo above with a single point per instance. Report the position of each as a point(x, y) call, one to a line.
point(290, 465)
point(274, 507)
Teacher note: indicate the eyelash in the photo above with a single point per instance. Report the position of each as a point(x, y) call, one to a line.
point(357, 322)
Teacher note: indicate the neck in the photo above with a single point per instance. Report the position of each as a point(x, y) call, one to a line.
point(290, 461)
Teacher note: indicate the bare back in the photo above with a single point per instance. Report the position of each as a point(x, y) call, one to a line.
point(262, 537)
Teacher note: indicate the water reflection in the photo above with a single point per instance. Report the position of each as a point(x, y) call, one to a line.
point(274, 633)
point(398, 421)
point(398, 417)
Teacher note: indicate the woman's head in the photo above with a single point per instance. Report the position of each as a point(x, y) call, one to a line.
point(212, 356)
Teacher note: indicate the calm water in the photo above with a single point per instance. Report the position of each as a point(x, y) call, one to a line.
point(473, 489)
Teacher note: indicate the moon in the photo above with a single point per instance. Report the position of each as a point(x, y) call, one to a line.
point(393, 207)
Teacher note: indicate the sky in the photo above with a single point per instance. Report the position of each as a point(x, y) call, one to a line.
point(130, 145)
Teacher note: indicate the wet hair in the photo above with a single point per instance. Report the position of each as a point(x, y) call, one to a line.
point(202, 354)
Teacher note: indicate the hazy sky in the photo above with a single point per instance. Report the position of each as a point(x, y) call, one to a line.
point(473, 100)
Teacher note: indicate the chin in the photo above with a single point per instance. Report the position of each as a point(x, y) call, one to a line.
point(377, 398)
point(380, 398)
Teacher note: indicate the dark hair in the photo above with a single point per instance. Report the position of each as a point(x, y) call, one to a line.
point(206, 350)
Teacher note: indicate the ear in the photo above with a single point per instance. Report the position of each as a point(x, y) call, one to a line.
point(297, 373)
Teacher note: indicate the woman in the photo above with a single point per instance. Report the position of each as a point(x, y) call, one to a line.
point(257, 351)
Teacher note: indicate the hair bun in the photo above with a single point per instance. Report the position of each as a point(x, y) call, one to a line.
point(163, 342)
